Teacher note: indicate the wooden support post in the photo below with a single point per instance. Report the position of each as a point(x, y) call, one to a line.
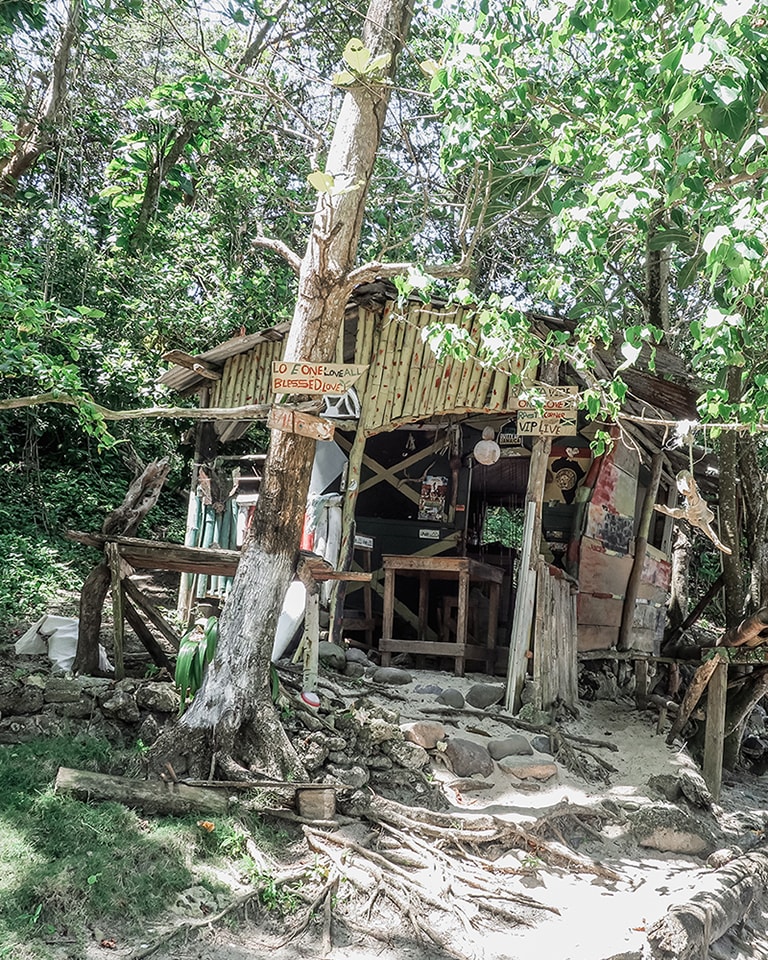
point(641, 547)
point(151, 612)
point(641, 683)
point(112, 552)
point(693, 694)
point(311, 640)
point(715, 728)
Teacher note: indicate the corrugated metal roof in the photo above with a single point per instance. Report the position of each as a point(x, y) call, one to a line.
point(184, 380)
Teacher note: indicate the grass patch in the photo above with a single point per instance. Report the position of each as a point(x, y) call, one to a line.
point(66, 865)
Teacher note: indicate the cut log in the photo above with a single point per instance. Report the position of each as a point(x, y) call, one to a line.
point(151, 796)
point(687, 930)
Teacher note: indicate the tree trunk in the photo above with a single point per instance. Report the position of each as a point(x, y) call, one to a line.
point(34, 134)
point(232, 722)
point(729, 511)
point(755, 507)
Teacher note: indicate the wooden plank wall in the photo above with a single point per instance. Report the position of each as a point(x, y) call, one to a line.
point(405, 382)
point(555, 667)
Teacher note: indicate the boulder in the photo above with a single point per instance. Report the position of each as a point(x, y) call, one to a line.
point(426, 733)
point(542, 744)
point(669, 829)
point(160, 697)
point(534, 770)
point(354, 776)
point(408, 755)
point(122, 706)
point(466, 758)
point(515, 745)
point(353, 670)
point(428, 688)
point(20, 698)
point(356, 655)
point(62, 690)
point(392, 675)
point(482, 695)
point(452, 698)
point(332, 655)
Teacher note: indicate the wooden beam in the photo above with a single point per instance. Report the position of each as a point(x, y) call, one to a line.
point(201, 367)
point(151, 612)
point(142, 631)
point(715, 728)
point(693, 694)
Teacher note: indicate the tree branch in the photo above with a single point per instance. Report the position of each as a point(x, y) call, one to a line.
point(252, 411)
point(277, 246)
point(383, 271)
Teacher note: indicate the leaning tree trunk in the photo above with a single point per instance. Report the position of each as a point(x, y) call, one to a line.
point(232, 722)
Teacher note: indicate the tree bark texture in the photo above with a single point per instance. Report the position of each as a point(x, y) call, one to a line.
point(35, 133)
point(686, 931)
point(677, 608)
point(755, 506)
point(232, 716)
point(729, 510)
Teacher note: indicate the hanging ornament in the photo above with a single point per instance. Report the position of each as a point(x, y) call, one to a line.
point(487, 451)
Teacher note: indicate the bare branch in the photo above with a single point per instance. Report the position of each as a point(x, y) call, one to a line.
point(277, 246)
point(383, 271)
point(251, 411)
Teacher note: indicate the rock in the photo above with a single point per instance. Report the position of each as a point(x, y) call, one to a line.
point(669, 829)
point(405, 754)
point(339, 759)
point(695, 789)
point(514, 746)
point(531, 692)
point(426, 733)
point(536, 770)
point(149, 731)
point(332, 655)
point(20, 698)
point(353, 670)
point(122, 706)
point(482, 695)
point(542, 744)
point(665, 785)
point(160, 697)
point(379, 761)
point(356, 655)
point(23, 729)
point(355, 776)
point(428, 688)
point(392, 675)
point(376, 730)
point(452, 698)
point(62, 690)
point(465, 758)
point(530, 714)
point(75, 711)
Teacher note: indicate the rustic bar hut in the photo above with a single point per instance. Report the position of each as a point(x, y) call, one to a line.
point(487, 525)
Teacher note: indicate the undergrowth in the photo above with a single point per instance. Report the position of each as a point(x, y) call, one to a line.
point(67, 866)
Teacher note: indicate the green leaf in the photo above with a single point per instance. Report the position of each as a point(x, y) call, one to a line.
point(356, 55)
point(322, 182)
point(343, 79)
point(729, 120)
point(620, 9)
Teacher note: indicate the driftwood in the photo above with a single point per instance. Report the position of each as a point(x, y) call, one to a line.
point(687, 930)
point(140, 498)
point(693, 694)
point(151, 796)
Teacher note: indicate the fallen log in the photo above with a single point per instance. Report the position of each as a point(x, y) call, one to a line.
point(151, 796)
point(686, 931)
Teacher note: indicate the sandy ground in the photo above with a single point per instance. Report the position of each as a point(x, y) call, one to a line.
point(598, 919)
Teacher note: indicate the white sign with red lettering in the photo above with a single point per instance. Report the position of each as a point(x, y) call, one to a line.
point(316, 379)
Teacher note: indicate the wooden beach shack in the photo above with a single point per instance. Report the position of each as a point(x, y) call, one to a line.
point(511, 566)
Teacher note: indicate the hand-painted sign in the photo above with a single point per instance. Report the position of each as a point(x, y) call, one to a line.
point(317, 379)
point(303, 424)
point(555, 417)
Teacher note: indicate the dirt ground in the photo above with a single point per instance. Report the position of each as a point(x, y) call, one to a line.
point(597, 919)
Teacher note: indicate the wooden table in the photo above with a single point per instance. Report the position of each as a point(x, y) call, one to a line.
point(464, 570)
